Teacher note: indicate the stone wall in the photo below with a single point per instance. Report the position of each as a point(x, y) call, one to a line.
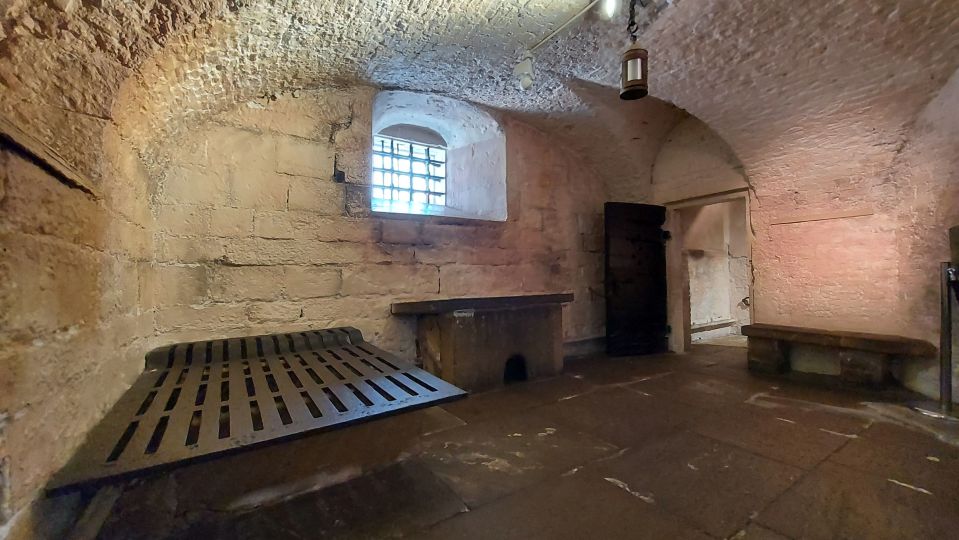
point(924, 194)
point(253, 235)
point(740, 264)
point(717, 256)
point(705, 243)
point(841, 116)
point(823, 117)
point(70, 322)
point(694, 161)
point(819, 119)
point(237, 227)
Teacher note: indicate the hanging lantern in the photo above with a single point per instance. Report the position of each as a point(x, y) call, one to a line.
point(633, 84)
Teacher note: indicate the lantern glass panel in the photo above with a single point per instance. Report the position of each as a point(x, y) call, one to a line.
point(634, 69)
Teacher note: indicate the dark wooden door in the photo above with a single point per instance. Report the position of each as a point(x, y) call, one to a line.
point(635, 279)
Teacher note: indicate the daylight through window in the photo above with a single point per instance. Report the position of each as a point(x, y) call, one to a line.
point(407, 176)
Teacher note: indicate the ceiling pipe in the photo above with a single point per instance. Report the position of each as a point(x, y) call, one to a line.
point(524, 72)
point(564, 26)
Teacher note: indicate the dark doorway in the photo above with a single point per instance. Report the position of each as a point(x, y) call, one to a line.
point(515, 370)
point(636, 320)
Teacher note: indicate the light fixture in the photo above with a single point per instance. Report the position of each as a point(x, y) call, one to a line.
point(634, 65)
point(608, 8)
point(524, 71)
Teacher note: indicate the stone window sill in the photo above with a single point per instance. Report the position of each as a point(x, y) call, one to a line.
point(399, 210)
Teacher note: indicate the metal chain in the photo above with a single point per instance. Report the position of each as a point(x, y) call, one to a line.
point(632, 27)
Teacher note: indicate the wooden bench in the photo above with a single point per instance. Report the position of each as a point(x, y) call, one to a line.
point(863, 358)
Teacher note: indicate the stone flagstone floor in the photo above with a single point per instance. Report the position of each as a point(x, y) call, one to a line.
point(688, 446)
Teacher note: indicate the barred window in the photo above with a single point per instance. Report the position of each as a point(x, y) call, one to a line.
point(408, 176)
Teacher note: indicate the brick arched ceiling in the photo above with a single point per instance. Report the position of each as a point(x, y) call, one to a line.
point(762, 74)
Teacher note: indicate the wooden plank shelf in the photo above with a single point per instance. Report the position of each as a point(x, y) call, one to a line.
point(434, 307)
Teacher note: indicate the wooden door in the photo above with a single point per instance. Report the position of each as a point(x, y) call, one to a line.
point(636, 320)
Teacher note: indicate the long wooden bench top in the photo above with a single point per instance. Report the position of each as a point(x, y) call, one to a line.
point(880, 343)
point(432, 307)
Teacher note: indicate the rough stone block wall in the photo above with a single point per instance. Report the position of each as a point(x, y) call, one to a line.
point(235, 228)
point(830, 108)
point(253, 235)
point(70, 323)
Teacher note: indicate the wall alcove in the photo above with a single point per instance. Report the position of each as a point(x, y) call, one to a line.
point(475, 144)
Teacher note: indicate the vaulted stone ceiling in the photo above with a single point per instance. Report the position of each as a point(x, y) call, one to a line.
point(68, 66)
point(752, 70)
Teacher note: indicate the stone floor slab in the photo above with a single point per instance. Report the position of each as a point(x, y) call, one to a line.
point(905, 456)
point(622, 417)
point(671, 446)
point(714, 486)
point(837, 502)
point(601, 370)
point(486, 461)
point(700, 390)
point(758, 532)
point(573, 507)
point(517, 398)
point(774, 434)
point(390, 503)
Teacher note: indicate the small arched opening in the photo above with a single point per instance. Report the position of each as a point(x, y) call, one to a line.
point(434, 155)
point(515, 370)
